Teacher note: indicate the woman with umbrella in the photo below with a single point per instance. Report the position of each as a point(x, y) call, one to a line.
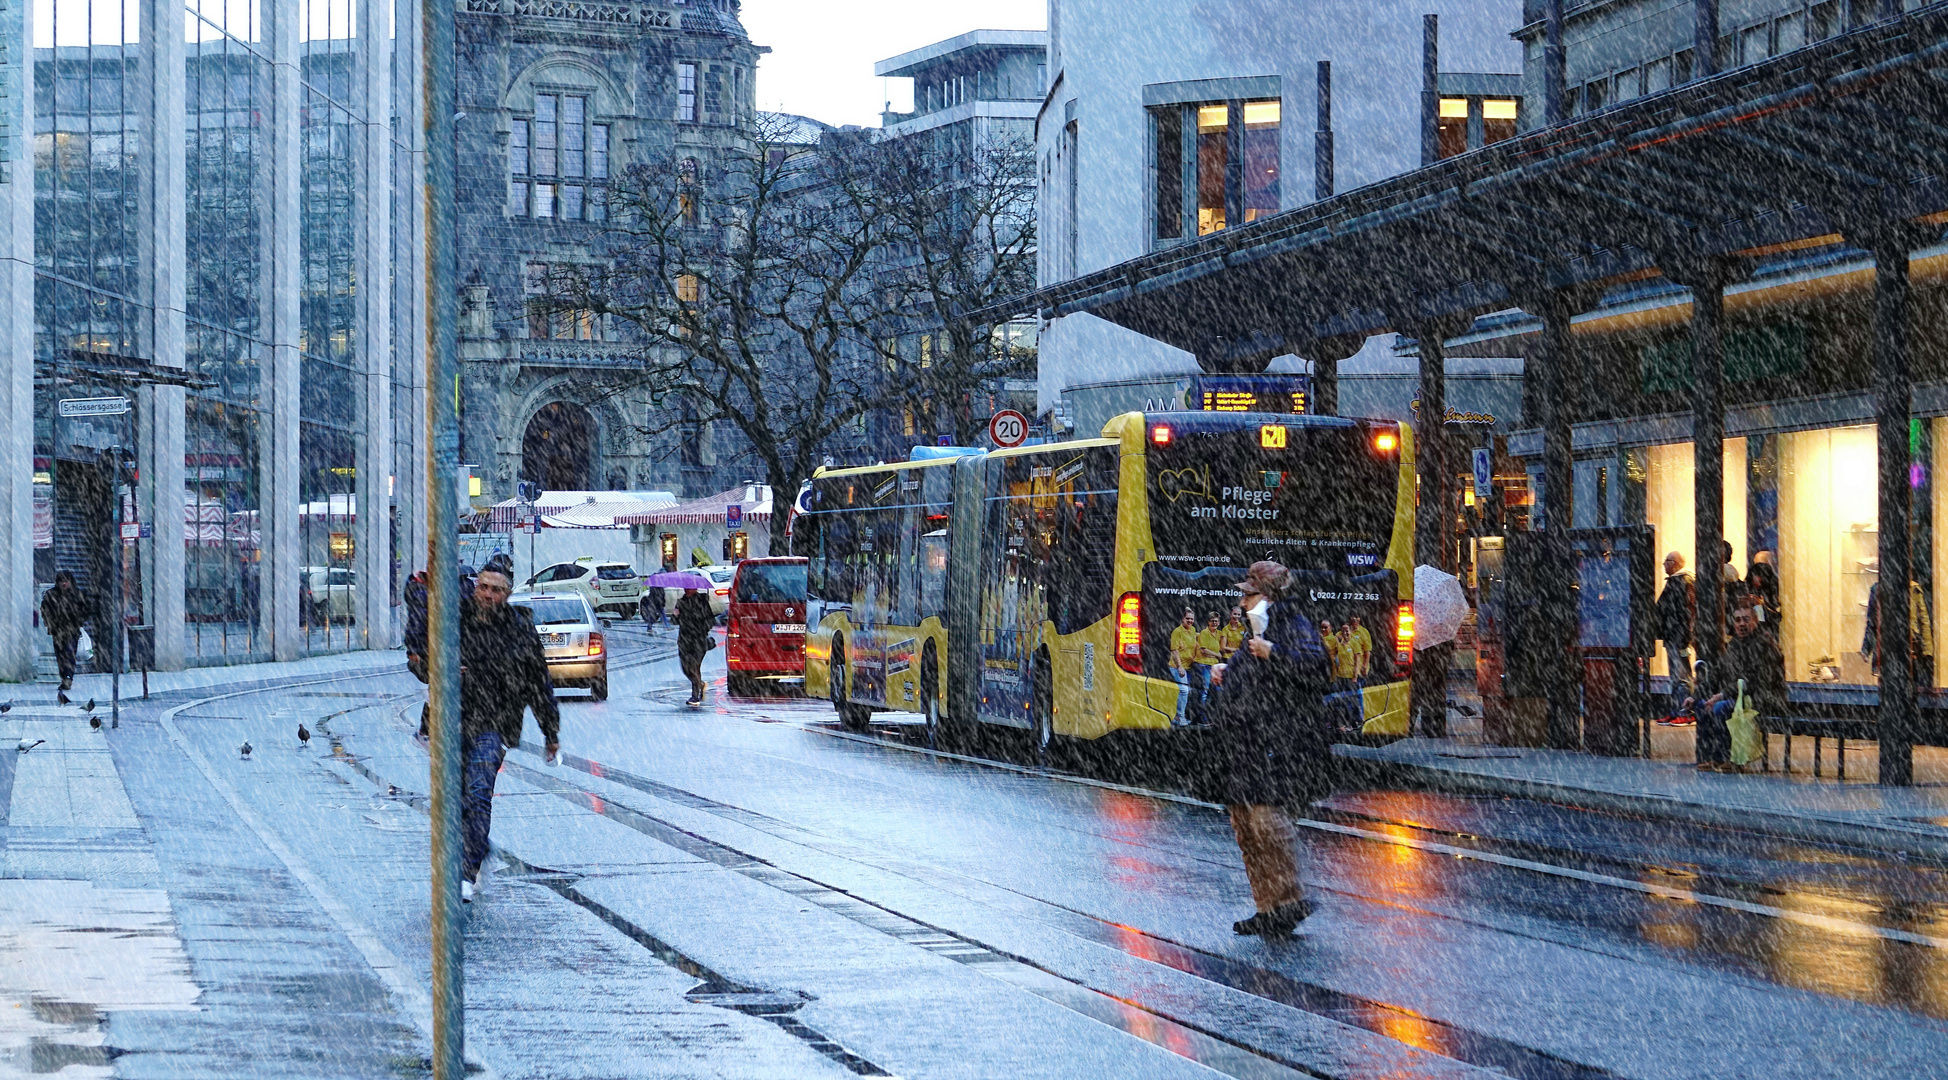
point(693, 622)
point(1272, 728)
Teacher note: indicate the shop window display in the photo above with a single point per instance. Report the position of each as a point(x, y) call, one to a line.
point(1809, 498)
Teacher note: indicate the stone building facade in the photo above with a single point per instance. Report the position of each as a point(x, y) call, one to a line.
point(558, 100)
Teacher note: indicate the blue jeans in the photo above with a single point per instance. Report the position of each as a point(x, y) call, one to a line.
point(1200, 687)
point(1183, 691)
point(1714, 739)
point(482, 767)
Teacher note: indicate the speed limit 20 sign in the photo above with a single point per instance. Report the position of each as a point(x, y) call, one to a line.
point(1008, 428)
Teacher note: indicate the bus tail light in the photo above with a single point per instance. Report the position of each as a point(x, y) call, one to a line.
point(595, 644)
point(1403, 635)
point(1129, 633)
point(1386, 442)
point(1160, 434)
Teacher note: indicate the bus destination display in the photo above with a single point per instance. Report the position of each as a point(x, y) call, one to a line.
point(1263, 394)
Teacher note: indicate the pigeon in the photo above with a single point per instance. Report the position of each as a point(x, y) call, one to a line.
point(95, 722)
point(61, 696)
point(245, 750)
point(26, 746)
point(304, 734)
point(90, 707)
point(6, 706)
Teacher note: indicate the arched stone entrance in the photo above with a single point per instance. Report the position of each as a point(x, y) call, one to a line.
point(558, 449)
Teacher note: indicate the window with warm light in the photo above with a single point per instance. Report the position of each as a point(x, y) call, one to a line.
point(1216, 165)
point(1471, 122)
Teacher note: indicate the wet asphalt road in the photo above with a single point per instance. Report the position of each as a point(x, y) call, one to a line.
point(743, 890)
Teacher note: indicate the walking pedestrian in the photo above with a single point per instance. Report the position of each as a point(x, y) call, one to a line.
point(63, 610)
point(503, 673)
point(1677, 607)
point(693, 622)
point(654, 601)
point(1271, 723)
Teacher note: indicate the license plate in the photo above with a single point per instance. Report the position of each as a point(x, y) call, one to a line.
point(554, 639)
point(788, 628)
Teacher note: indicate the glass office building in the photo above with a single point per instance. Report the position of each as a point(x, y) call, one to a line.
point(211, 222)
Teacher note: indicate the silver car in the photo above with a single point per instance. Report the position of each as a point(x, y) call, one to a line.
point(570, 639)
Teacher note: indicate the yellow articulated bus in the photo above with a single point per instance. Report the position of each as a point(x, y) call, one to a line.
point(1038, 588)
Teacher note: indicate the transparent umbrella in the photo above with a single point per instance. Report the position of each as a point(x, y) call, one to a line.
point(1439, 606)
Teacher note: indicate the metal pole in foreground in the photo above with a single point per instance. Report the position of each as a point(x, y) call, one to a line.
point(442, 580)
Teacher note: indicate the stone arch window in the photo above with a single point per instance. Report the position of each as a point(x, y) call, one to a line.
point(560, 139)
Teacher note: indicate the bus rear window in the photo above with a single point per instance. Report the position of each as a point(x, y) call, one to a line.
point(771, 583)
point(1324, 501)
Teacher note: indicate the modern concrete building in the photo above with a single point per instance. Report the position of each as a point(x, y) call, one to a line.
point(1177, 119)
point(974, 96)
point(1727, 295)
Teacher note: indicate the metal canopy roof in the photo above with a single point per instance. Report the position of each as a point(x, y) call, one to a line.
point(1829, 139)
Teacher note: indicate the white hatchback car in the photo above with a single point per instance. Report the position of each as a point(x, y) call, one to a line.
point(610, 588)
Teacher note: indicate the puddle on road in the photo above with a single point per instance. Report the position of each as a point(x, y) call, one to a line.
point(75, 954)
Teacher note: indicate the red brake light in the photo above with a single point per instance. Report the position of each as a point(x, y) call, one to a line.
point(1403, 635)
point(1129, 633)
point(1386, 442)
point(1160, 434)
point(594, 644)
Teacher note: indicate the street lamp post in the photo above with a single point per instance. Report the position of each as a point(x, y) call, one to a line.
point(442, 523)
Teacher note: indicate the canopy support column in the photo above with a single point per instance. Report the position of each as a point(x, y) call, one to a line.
point(1893, 401)
point(1555, 400)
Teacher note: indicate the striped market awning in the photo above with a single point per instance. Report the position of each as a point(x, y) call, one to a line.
point(753, 499)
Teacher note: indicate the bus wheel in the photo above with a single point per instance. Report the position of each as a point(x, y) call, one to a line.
point(1041, 718)
point(930, 701)
point(851, 717)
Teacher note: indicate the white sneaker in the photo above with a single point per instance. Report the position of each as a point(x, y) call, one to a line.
point(466, 891)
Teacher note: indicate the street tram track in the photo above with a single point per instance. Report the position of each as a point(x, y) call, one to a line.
point(1217, 1049)
point(1650, 879)
point(1161, 1025)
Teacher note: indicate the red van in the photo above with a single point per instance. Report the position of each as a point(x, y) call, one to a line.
point(764, 638)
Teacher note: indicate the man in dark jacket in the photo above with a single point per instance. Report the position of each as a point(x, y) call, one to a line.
point(1753, 657)
point(63, 610)
point(693, 622)
point(1676, 607)
point(503, 673)
point(1271, 721)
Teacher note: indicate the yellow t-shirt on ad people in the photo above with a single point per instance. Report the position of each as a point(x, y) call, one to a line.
point(1183, 646)
point(1208, 644)
point(1346, 658)
point(1363, 645)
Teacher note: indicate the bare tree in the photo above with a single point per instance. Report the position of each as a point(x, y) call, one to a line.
point(962, 239)
point(747, 288)
point(767, 295)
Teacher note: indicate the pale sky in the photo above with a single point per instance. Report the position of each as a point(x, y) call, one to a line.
point(822, 53)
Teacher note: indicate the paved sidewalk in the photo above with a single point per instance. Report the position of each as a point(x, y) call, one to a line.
point(216, 679)
point(1911, 821)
